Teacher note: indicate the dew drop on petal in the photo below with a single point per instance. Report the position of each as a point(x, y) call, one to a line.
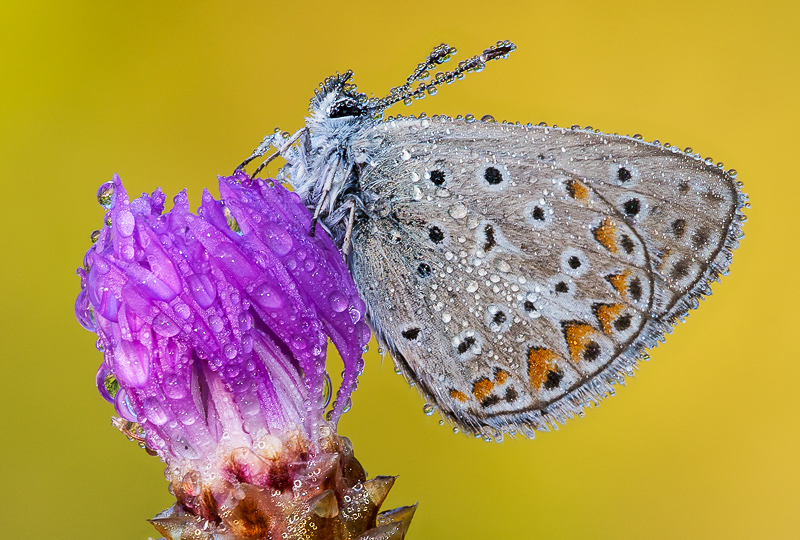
point(173, 387)
point(125, 223)
point(105, 195)
point(337, 301)
point(183, 311)
point(327, 390)
point(154, 412)
point(277, 239)
point(216, 324)
point(203, 289)
point(132, 364)
point(229, 350)
point(123, 406)
point(164, 326)
point(267, 297)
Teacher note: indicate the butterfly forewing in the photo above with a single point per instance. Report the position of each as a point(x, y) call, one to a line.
point(514, 272)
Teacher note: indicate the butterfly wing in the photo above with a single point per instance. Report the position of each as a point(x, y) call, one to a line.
point(516, 272)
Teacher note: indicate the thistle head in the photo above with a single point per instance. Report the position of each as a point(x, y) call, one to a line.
point(214, 330)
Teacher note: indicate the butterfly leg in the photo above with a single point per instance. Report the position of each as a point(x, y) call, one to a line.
point(266, 143)
point(330, 172)
point(351, 220)
point(281, 151)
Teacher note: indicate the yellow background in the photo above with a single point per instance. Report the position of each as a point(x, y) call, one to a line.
point(704, 443)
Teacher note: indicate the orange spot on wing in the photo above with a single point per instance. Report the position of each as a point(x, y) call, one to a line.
point(458, 396)
point(620, 282)
point(606, 234)
point(606, 314)
point(500, 376)
point(540, 361)
point(576, 190)
point(482, 388)
point(578, 336)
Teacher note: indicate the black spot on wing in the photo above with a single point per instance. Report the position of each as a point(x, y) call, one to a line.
point(493, 176)
point(488, 231)
point(437, 177)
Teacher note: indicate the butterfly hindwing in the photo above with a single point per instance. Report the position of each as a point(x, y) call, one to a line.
point(514, 272)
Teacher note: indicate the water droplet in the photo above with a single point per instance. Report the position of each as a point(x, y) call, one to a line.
point(327, 390)
point(337, 301)
point(277, 239)
point(457, 211)
point(94, 236)
point(111, 385)
point(245, 321)
point(203, 289)
point(125, 223)
point(173, 388)
point(428, 409)
point(154, 412)
point(216, 324)
point(123, 406)
point(164, 326)
point(132, 364)
point(487, 118)
point(183, 311)
point(105, 194)
point(268, 297)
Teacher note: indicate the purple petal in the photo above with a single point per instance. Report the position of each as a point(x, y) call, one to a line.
point(216, 324)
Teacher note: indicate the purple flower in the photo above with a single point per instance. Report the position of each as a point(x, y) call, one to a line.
point(214, 331)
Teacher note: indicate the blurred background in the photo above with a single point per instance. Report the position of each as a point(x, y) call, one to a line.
point(703, 443)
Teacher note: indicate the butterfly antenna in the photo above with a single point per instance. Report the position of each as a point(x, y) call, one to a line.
point(441, 54)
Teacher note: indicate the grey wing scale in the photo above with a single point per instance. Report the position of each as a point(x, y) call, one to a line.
point(515, 273)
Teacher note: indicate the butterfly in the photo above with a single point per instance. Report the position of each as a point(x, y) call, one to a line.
point(515, 273)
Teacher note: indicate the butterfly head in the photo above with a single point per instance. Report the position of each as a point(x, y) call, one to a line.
point(338, 98)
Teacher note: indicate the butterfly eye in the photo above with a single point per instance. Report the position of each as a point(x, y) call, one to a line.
point(345, 107)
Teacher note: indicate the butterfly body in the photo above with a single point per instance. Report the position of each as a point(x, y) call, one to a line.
point(515, 273)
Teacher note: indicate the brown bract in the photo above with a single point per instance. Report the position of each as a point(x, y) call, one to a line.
point(285, 493)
